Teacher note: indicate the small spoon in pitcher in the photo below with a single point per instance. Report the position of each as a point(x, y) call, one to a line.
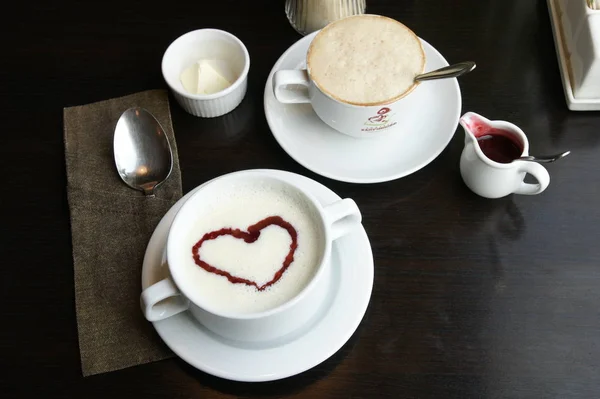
point(451, 71)
point(544, 159)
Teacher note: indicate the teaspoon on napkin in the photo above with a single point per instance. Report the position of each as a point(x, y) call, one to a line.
point(142, 151)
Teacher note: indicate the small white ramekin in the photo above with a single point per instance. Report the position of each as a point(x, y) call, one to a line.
point(211, 44)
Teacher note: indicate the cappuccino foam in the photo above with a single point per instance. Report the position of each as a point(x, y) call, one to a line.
point(366, 60)
point(257, 262)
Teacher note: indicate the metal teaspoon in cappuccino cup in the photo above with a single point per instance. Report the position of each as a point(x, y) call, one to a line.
point(451, 71)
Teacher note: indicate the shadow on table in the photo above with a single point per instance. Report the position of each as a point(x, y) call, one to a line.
point(222, 131)
point(277, 388)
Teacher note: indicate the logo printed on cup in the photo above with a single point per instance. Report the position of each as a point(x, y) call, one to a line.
point(382, 120)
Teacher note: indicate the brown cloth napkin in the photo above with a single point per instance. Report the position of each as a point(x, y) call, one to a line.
point(111, 225)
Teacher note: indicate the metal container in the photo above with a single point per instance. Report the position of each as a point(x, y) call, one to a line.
point(307, 16)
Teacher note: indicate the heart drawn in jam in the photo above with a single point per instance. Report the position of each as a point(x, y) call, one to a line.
point(251, 235)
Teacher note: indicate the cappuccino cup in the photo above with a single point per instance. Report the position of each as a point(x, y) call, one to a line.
point(249, 257)
point(358, 71)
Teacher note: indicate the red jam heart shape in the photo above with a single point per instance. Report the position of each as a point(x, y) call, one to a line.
point(249, 236)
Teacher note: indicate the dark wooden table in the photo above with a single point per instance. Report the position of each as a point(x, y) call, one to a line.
point(472, 298)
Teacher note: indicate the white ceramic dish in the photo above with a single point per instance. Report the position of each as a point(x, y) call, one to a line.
point(181, 291)
point(580, 25)
point(431, 119)
point(334, 324)
point(563, 55)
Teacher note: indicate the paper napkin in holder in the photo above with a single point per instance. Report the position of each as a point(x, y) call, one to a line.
point(111, 225)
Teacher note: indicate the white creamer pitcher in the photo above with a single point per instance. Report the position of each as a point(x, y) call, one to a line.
point(490, 178)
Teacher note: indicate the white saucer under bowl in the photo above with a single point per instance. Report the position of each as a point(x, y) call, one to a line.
point(417, 140)
point(334, 324)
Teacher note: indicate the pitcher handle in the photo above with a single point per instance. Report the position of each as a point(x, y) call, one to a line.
point(539, 173)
